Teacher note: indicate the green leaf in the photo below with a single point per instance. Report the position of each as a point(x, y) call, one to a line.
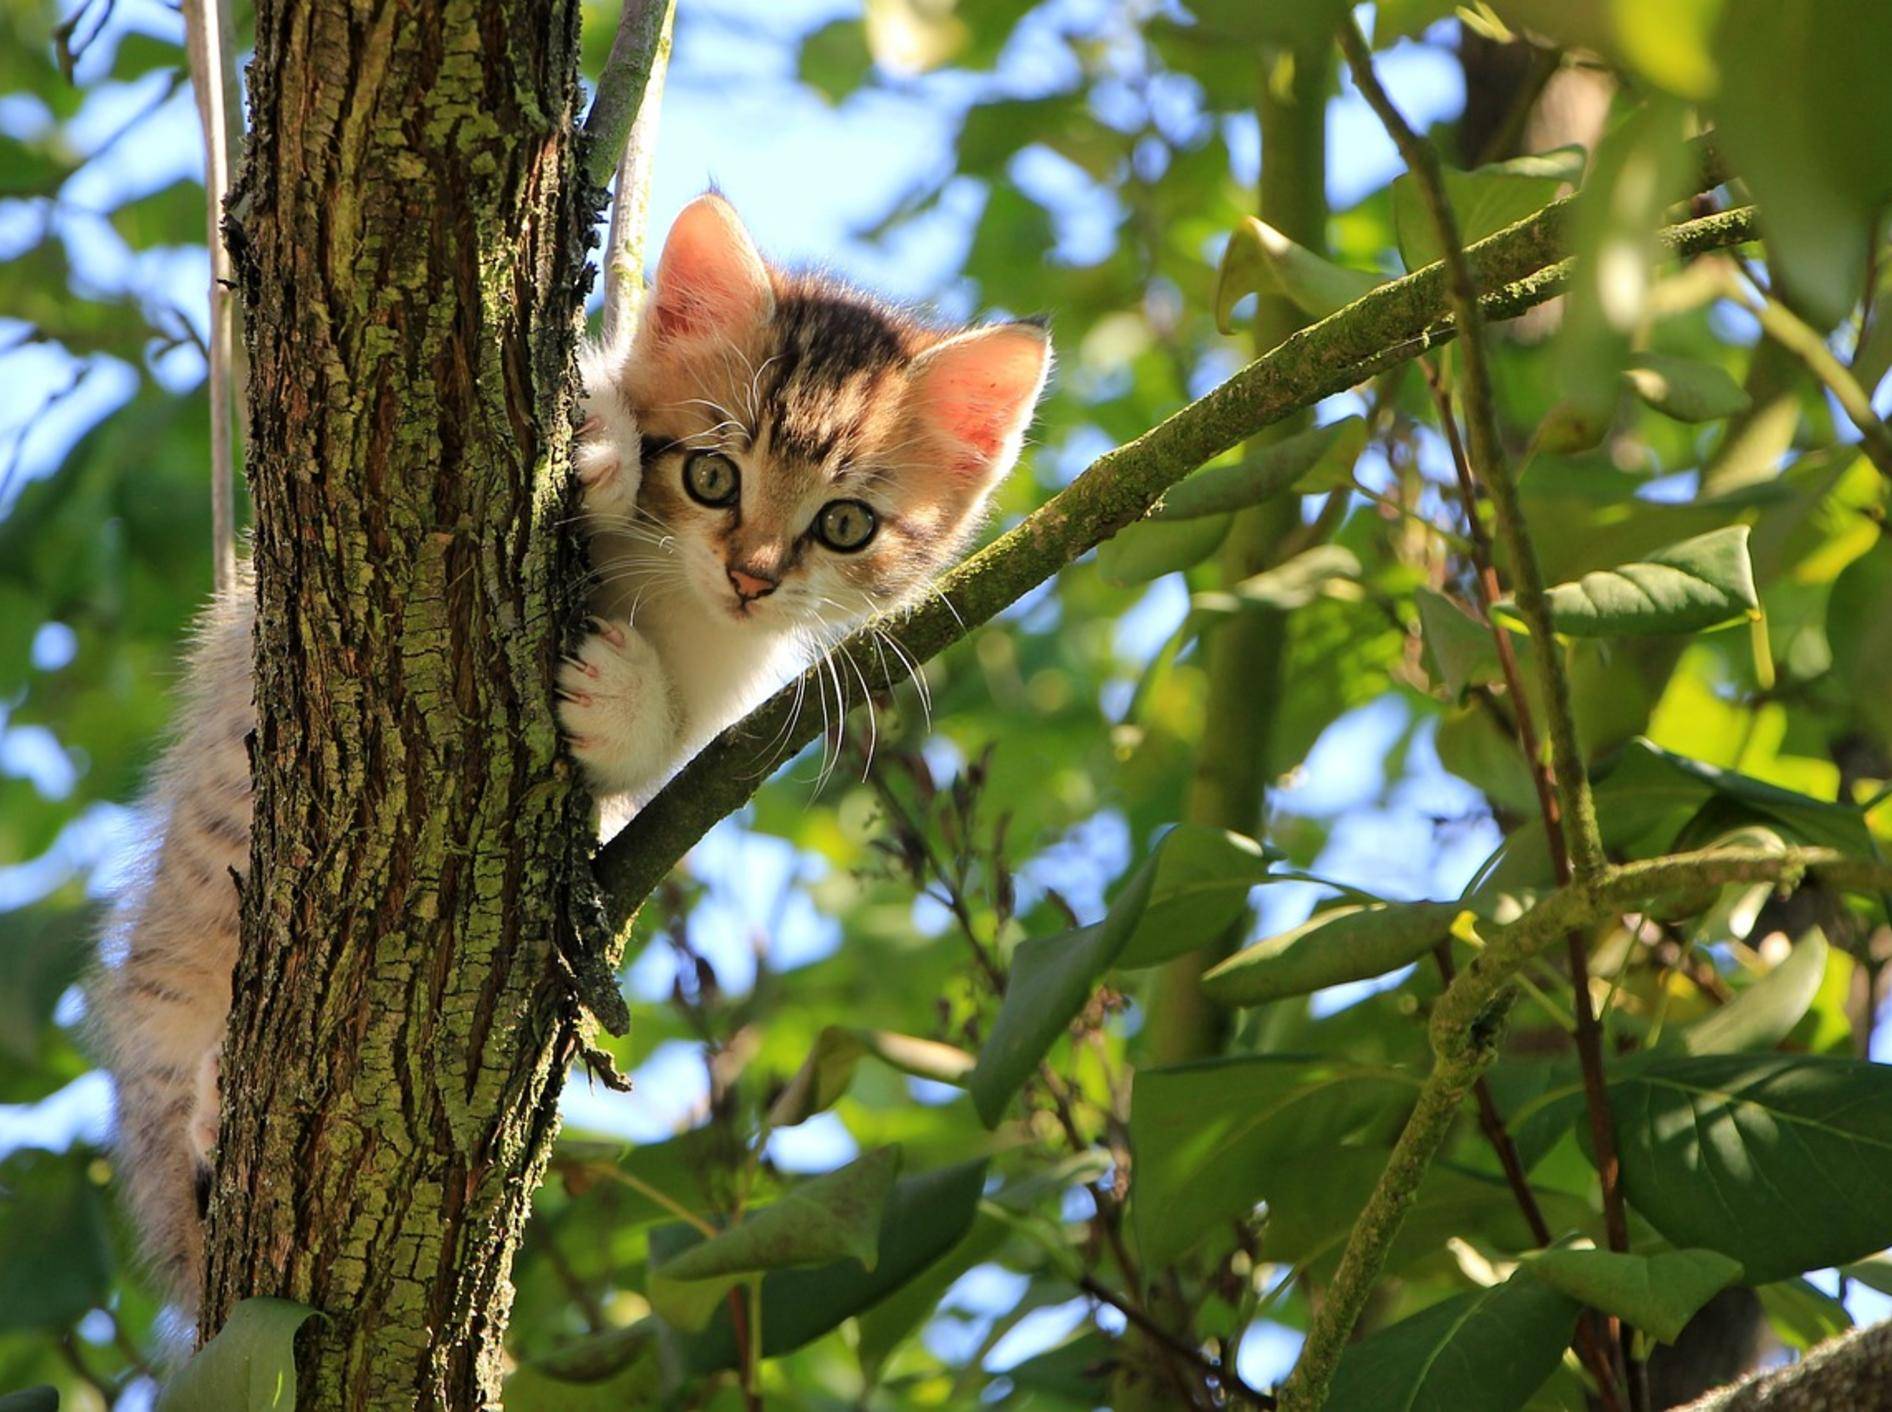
point(1764, 1014)
point(1685, 388)
point(825, 1075)
point(172, 215)
point(1211, 1139)
point(1485, 200)
point(831, 1217)
point(834, 59)
point(606, 1372)
point(1801, 1314)
point(1776, 1160)
point(1801, 112)
point(1149, 549)
point(1657, 1293)
point(1341, 944)
point(250, 1366)
point(1322, 456)
point(1261, 260)
point(1298, 24)
point(52, 1223)
point(1051, 978)
point(926, 1218)
point(32, 168)
point(32, 1399)
point(1287, 586)
point(1462, 649)
point(1200, 887)
point(1486, 1351)
point(1701, 583)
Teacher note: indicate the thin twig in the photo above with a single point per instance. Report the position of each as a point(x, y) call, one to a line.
point(207, 40)
point(1570, 817)
point(1219, 1369)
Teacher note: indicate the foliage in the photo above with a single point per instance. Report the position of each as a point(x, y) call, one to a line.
point(1003, 865)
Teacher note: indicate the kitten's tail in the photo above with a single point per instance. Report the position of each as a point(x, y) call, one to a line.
point(161, 994)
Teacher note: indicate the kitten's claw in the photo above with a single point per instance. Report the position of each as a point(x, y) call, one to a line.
point(615, 708)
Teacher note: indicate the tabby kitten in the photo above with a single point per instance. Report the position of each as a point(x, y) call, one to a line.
point(772, 459)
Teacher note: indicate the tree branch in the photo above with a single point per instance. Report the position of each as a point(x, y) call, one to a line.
point(1853, 1371)
point(631, 86)
point(639, 50)
point(1391, 325)
point(1467, 1021)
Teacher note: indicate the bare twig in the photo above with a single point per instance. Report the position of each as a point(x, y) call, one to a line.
point(1220, 1370)
point(207, 40)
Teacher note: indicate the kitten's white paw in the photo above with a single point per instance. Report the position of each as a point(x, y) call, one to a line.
point(608, 454)
point(616, 709)
point(205, 1101)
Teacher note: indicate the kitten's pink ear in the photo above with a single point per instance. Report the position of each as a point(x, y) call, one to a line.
point(977, 391)
point(711, 280)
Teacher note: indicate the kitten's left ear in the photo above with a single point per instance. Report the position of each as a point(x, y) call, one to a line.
point(976, 392)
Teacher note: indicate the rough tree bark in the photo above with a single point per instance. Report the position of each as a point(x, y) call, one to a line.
point(409, 229)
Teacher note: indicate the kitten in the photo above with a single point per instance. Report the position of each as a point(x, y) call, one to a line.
point(809, 457)
point(773, 458)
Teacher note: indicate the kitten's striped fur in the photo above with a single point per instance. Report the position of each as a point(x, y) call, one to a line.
point(815, 393)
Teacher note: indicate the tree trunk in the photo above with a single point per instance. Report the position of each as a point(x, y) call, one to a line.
point(409, 230)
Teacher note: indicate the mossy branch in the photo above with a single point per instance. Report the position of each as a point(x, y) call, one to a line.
point(638, 51)
point(1464, 1028)
point(1392, 324)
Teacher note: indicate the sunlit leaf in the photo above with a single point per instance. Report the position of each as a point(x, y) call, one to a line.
point(1701, 583)
point(1484, 200)
point(1767, 1011)
point(250, 1366)
point(1342, 944)
point(1683, 388)
point(1321, 458)
point(1261, 260)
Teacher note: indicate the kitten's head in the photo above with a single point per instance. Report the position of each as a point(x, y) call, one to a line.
point(813, 455)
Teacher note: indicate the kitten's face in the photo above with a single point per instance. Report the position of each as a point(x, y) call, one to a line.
point(812, 456)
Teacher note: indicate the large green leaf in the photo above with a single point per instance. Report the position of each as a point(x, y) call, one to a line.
point(836, 1216)
point(1323, 455)
point(1701, 583)
point(1776, 1160)
point(1212, 1138)
point(1486, 1351)
point(1349, 943)
point(1657, 1293)
point(926, 1216)
point(172, 215)
point(1484, 200)
point(250, 1366)
point(1766, 1012)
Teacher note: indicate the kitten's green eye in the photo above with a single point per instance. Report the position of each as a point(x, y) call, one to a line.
point(845, 525)
point(711, 478)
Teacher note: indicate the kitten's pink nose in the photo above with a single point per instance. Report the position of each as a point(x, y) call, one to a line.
point(750, 586)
